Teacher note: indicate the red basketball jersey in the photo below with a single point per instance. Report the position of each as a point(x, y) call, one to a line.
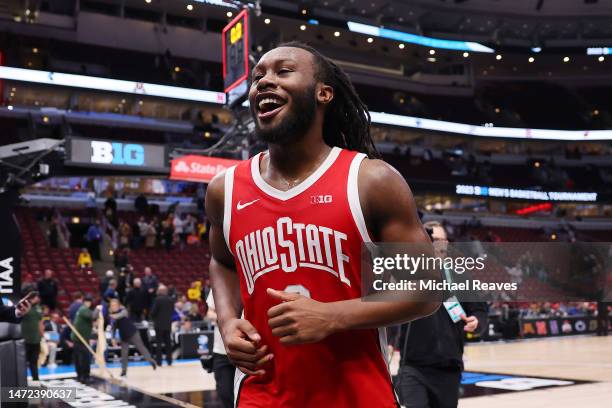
point(307, 240)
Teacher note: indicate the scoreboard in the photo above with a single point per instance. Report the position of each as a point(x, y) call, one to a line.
point(235, 37)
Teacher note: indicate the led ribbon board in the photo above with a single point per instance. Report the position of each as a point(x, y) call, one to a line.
point(501, 192)
point(417, 39)
point(235, 45)
point(111, 85)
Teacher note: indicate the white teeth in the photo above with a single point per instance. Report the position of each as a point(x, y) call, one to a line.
point(269, 100)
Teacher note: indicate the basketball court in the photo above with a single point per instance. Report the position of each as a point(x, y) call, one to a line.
point(553, 372)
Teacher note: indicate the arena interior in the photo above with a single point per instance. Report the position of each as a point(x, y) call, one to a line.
point(116, 114)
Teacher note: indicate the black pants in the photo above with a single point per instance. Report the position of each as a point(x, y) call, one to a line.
point(82, 361)
point(32, 352)
point(428, 387)
point(602, 324)
point(163, 336)
point(224, 377)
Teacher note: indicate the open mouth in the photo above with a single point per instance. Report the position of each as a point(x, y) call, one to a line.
point(269, 106)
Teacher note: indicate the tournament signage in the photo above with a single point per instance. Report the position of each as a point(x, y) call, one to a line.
point(10, 247)
point(199, 168)
point(563, 326)
point(116, 155)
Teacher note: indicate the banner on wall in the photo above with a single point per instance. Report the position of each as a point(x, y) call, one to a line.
point(199, 168)
point(10, 247)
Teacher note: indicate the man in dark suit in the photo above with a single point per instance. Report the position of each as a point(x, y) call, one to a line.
point(161, 314)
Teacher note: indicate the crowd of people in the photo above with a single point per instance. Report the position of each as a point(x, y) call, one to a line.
point(128, 302)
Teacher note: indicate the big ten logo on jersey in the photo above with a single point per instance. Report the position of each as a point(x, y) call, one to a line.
point(321, 199)
point(289, 245)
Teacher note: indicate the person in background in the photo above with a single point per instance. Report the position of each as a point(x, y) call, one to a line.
point(94, 238)
point(194, 293)
point(180, 225)
point(431, 360)
point(128, 335)
point(168, 231)
point(75, 305)
point(83, 323)
point(53, 328)
point(111, 290)
point(84, 260)
point(53, 233)
point(223, 368)
point(32, 330)
point(122, 258)
point(161, 314)
point(194, 314)
point(122, 284)
point(186, 304)
point(136, 301)
point(150, 284)
point(48, 289)
point(150, 235)
point(104, 284)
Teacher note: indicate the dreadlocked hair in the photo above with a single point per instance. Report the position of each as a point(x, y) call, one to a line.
point(347, 119)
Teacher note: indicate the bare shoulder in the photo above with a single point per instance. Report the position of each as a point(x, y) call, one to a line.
point(377, 176)
point(215, 195)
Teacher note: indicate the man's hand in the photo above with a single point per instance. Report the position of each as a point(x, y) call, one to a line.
point(242, 345)
point(299, 319)
point(22, 308)
point(471, 323)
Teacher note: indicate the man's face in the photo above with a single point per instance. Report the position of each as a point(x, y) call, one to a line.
point(48, 273)
point(147, 271)
point(282, 94)
point(137, 283)
point(440, 240)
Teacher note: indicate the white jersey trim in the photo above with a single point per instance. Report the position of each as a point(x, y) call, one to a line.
point(352, 194)
point(239, 377)
point(227, 204)
point(300, 188)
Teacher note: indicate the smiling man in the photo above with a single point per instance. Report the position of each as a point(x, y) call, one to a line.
point(286, 233)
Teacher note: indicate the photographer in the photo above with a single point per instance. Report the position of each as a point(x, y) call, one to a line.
point(432, 348)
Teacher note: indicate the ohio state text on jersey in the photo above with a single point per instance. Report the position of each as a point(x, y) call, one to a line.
point(307, 240)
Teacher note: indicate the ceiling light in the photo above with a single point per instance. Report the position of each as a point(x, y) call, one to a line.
point(531, 59)
point(466, 54)
point(10, 107)
point(267, 21)
point(190, 7)
point(432, 52)
point(229, 14)
point(206, 134)
point(370, 40)
point(148, 1)
point(401, 46)
point(46, 119)
point(431, 59)
point(337, 34)
point(601, 58)
point(35, 50)
point(177, 69)
point(498, 57)
point(565, 59)
point(302, 27)
point(304, 11)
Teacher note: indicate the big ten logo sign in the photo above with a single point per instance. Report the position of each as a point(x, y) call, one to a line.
point(522, 383)
point(236, 33)
point(117, 153)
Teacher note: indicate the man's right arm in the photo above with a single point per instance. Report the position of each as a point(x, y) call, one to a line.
point(239, 335)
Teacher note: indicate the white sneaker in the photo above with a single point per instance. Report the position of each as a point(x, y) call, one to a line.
point(52, 366)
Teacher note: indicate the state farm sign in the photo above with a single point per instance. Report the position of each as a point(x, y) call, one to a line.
point(199, 168)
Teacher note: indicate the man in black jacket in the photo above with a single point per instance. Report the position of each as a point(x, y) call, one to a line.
point(432, 349)
point(48, 289)
point(161, 314)
point(136, 300)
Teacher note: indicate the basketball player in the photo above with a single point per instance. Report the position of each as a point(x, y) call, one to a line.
point(286, 234)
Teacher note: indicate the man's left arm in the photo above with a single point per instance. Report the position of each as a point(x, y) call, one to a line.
point(391, 216)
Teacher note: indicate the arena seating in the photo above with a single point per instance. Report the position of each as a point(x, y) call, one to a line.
point(38, 256)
